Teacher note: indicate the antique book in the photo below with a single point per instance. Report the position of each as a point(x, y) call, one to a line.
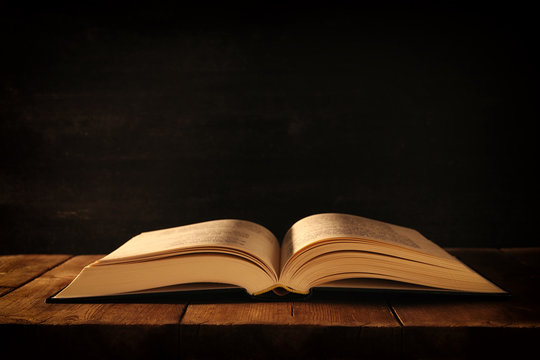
point(322, 251)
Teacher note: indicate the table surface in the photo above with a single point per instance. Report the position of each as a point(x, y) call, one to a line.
point(378, 325)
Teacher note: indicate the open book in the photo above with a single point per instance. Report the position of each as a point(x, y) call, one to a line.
point(320, 251)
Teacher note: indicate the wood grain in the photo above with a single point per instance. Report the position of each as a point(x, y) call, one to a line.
point(26, 305)
point(290, 329)
point(367, 312)
point(87, 330)
point(238, 314)
point(5, 290)
point(518, 310)
point(15, 270)
point(324, 326)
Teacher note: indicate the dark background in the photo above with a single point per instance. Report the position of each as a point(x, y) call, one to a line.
point(117, 120)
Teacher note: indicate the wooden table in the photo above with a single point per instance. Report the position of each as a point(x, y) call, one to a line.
point(359, 326)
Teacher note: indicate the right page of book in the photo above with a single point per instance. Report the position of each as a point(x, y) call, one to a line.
point(318, 227)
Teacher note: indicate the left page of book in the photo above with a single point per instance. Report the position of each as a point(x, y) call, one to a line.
point(234, 252)
point(245, 238)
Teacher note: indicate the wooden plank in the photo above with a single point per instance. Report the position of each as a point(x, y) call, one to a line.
point(470, 326)
point(5, 290)
point(517, 310)
point(15, 270)
point(26, 305)
point(88, 330)
point(238, 313)
point(344, 327)
point(319, 328)
point(364, 311)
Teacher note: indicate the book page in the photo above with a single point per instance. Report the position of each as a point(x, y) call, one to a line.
point(236, 234)
point(333, 225)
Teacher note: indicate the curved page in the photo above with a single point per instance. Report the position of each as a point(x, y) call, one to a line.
point(241, 235)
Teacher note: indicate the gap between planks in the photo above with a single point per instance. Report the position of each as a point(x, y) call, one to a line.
point(394, 313)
